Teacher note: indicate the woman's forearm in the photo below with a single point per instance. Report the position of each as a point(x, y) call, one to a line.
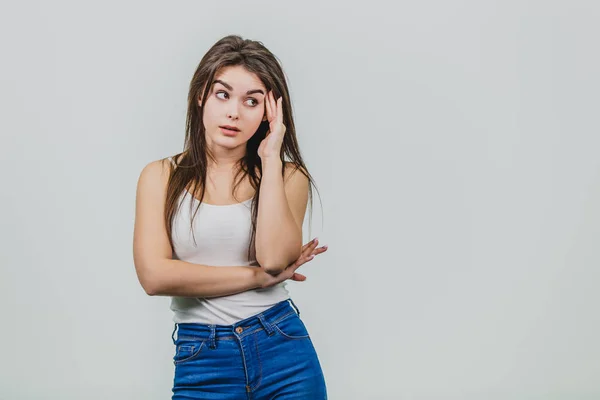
point(278, 236)
point(180, 278)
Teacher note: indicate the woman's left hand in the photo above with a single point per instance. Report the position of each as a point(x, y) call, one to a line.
point(270, 147)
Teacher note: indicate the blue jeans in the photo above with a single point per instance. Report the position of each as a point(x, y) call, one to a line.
point(267, 356)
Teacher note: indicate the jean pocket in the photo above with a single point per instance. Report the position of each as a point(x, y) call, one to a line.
point(291, 327)
point(187, 350)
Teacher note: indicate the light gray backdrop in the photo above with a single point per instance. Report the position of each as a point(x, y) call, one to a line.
point(455, 145)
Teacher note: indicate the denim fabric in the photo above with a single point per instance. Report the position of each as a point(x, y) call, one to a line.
point(267, 356)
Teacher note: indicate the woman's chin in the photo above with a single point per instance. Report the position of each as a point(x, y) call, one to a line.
point(229, 143)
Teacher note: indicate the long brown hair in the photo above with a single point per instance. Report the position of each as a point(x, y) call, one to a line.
point(191, 169)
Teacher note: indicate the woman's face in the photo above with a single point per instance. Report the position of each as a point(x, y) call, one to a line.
point(236, 100)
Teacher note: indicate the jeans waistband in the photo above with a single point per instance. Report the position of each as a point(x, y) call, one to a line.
point(263, 320)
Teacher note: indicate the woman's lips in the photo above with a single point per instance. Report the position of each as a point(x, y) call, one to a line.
point(229, 132)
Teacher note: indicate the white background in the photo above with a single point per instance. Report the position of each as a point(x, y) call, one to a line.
point(455, 145)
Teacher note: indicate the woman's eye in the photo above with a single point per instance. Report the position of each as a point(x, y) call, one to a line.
point(224, 95)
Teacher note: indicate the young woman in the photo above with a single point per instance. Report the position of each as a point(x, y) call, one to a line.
point(218, 228)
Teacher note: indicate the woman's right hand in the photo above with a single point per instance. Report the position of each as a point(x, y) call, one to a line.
point(309, 251)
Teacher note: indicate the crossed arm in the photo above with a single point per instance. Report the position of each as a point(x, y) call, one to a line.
point(159, 274)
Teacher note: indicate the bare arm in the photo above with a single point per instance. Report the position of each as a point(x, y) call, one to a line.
point(157, 272)
point(283, 199)
point(180, 278)
point(281, 210)
point(260, 279)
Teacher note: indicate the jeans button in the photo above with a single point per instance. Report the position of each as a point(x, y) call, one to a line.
point(239, 329)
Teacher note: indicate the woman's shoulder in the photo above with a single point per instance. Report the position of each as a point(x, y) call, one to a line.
point(158, 166)
point(176, 158)
point(156, 173)
point(166, 164)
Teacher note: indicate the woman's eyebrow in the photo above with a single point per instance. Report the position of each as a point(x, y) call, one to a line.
point(228, 86)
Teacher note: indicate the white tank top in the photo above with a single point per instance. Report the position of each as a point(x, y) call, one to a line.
point(222, 235)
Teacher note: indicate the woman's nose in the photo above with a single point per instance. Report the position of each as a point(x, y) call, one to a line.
point(233, 113)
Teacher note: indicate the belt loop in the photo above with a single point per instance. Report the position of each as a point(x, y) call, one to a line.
point(211, 338)
point(173, 334)
point(295, 306)
point(266, 324)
